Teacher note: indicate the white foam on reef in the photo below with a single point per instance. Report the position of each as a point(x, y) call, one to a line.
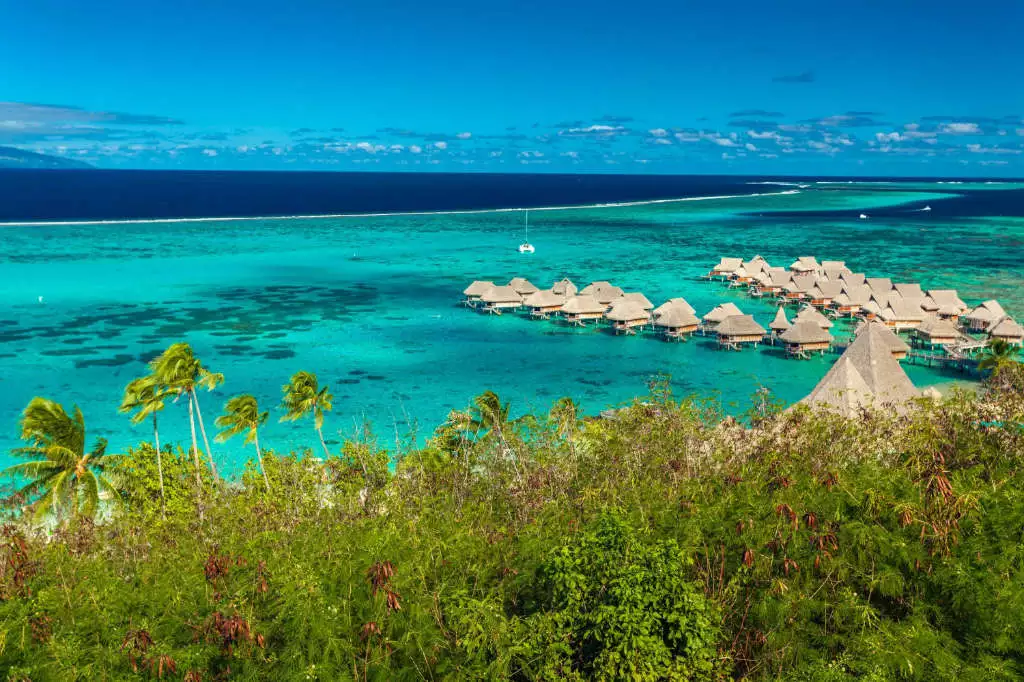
point(321, 216)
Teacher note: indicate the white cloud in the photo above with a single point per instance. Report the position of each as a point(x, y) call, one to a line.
point(241, 149)
point(415, 148)
point(723, 141)
point(441, 145)
point(396, 148)
point(658, 132)
point(978, 149)
point(593, 130)
point(959, 128)
point(750, 147)
point(662, 140)
point(464, 136)
point(210, 152)
point(888, 137)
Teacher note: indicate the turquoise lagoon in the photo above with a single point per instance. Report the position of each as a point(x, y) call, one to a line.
point(371, 304)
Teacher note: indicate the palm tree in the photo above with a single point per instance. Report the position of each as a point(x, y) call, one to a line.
point(146, 396)
point(565, 415)
point(488, 417)
point(67, 478)
point(242, 415)
point(303, 395)
point(998, 354)
point(178, 369)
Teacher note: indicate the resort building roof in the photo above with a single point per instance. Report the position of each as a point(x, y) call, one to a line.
point(739, 325)
point(800, 283)
point(938, 328)
point(780, 323)
point(627, 311)
point(583, 304)
point(989, 311)
point(805, 264)
point(833, 265)
point(880, 286)
point(728, 265)
point(853, 295)
point(673, 304)
point(676, 317)
point(545, 298)
point(522, 285)
point(502, 294)
point(811, 314)
point(852, 278)
point(894, 342)
point(804, 331)
point(722, 311)
point(909, 291)
point(478, 287)
point(639, 298)
point(944, 300)
point(1006, 328)
point(564, 287)
point(826, 289)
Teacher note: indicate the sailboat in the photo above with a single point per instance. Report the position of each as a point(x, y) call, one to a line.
point(526, 246)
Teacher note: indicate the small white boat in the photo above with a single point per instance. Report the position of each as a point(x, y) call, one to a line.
point(863, 216)
point(526, 246)
point(927, 208)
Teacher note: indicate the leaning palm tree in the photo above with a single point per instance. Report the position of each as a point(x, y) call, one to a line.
point(67, 479)
point(998, 354)
point(145, 396)
point(242, 415)
point(303, 395)
point(179, 370)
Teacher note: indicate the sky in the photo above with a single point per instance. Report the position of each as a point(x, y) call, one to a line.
point(741, 87)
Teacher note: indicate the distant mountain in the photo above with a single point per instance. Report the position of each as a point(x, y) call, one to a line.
point(11, 157)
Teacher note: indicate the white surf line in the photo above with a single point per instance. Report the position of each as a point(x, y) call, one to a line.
point(322, 216)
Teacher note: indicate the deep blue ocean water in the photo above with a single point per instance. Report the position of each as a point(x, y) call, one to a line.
point(370, 303)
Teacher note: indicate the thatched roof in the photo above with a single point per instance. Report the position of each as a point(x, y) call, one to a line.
point(833, 265)
point(522, 285)
point(780, 323)
point(676, 317)
point(565, 287)
point(865, 375)
point(672, 304)
point(478, 287)
point(503, 294)
point(805, 264)
point(826, 289)
point(739, 325)
point(606, 292)
point(880, 286)
point(1006, 328)
point(937, 328)
point(637, 297)
point(545, 298)
point(895, 343)
point(989, 311)
point(729, 264)
point(800, 284)
point(582, 304)
point(720, 312)
point(854, 295)
point(852, 278)
point(944, 300)
point(872, 307)
point(810, 314)
point(806, 332)
point(627, 311)
point(900, 310)
point(752, 267)
point(832, 274)
point(909, 291)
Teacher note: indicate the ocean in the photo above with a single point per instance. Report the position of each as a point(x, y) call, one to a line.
point(103, 269)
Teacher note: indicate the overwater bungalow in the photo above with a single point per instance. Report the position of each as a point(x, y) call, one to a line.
point(982, 317)
point(824, 292)
point(852, 279)
point(1007, 330)
point(626, 316)
point(805, 264)
point(901, 314)
point(719, 313)
point(835, 265)
point(564, 287)
point(582, 307)
point(736, 330)
point(880, 287)
point(851, 299)
point(544, 302)
point(676, 322)
point(604, 292)
point(805, 337)
point(726, 267)
point(944, 303)
point(523, 286)
point(811, 314)
point(935, 331)
point(638, 298)
point(741, 277)
point(780, 323)
point(474, 291)
point(755, 265)
point(496, 299)
point(870, 310)
point(673, 303)
point(798, 288)
point(831, 275)
point(897, 346)
point(866, 375)
point(771, 281)
point(909, 291)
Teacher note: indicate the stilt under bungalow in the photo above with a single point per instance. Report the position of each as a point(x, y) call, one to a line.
point(581, 308)
point(473, 292)
point(736, 331)
point(498, 299)
point(805, 337)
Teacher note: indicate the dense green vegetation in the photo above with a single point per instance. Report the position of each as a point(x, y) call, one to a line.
point(667, 542)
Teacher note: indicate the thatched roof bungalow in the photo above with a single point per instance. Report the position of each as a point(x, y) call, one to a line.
point(496, 299)
point(639, 299)
point(865, 376)
point(897, 346)
point(736, 330)
point(901, 314)
point(810, 314)
point(935, 331)
point(582, 307)
point(852, 279)
point(564, 287)
point(880, 286)
point(909, 291)
point(805, 337)
point(944, 302)
point(780, 323)
point(605, 292)
point(805, 264)
point(522, 286)
point(772, 280)
point(672, 304)
point(799, 287)
point(1007, 330)
point(726, 267)
point(719, 313)
point(626, 316)
point(851, 300)
point(984, 315)
point(676, 322)
point(475, 290)
point(544, 302)
point(824, 292)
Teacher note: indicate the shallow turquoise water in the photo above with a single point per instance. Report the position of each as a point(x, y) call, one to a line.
point(371, 305)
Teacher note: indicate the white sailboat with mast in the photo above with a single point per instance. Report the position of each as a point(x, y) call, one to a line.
point(526, 246)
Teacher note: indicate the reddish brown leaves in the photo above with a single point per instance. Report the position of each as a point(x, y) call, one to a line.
point(748, 557)
point(16, 569)
point(42, 627)
point(379, 575)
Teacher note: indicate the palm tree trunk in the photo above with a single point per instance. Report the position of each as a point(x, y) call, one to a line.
point(159, 466)
point(259, 458)
point(195, 446)
point(206, 442)
point(319, 432)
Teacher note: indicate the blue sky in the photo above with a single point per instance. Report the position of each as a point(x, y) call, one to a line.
point(791, 87)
